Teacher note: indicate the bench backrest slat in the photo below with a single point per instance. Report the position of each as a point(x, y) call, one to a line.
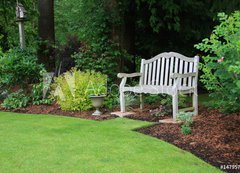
point(190, 79)
point(145, 73)
point(162, 71)
point(154, 73)
point(171, 70)
point(158, 70)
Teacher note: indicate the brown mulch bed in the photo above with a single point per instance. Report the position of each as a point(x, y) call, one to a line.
point(54, 109)
point(215, 137)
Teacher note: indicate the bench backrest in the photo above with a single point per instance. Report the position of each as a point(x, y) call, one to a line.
point(158, 70)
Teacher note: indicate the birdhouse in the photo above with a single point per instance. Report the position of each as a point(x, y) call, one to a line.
point(20, 11)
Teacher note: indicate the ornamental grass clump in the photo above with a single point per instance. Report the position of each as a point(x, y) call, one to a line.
point(73, 88)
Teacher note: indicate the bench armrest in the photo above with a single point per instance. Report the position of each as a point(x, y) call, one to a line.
point(122, 75)
point(178, 75)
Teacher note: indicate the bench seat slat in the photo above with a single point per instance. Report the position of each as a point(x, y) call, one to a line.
point(153, 89)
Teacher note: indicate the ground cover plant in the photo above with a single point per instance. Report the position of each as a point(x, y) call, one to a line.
point(47, 143)
point(16, 100)
point(186, 118)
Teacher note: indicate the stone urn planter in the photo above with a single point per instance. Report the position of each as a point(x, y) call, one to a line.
point(97, 102)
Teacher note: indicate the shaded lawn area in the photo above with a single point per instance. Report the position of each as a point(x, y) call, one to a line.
point(44, 143)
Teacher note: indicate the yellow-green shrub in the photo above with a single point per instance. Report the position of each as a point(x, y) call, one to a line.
point(72, 89)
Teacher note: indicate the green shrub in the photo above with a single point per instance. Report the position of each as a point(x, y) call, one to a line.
point(112, 99)
point(16, 100)
point(163, 99)
point(152, 98)
point(37, 95)
point(72, 89)
point(221, 65)
point(186, 129)
point(102, 56)
point(18, 67)
point(186, 119)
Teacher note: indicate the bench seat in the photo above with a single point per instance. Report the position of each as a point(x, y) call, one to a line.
point(152, 89)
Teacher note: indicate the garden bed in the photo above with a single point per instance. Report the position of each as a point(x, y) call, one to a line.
point(215, 137)
point(54, 109)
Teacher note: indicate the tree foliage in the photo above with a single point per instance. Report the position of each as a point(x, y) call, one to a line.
point(221, 64)
point(9, 28)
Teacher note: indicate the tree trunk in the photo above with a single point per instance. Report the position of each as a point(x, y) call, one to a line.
point(124, 34)
point(46, 33)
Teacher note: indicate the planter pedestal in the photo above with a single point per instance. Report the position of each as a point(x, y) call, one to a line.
point(97, 102)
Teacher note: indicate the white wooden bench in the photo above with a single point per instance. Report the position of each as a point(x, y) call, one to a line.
point(167, 73)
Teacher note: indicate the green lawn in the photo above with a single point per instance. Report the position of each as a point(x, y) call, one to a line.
point(44, 143)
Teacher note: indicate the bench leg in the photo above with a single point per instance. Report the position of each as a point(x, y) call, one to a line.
point(141, 102)
point(175, 106)
point(122, 102)
point(195, 102)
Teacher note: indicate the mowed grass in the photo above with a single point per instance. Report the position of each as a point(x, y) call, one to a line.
point(46, 143)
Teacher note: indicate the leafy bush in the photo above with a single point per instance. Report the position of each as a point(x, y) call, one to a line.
point(16, 100)
point(37, 95)
point(221, 65)
point(111, 101)
point(152, 98)
point(102, 56)
point(186, 129)
point(18, 67)
point(73, 88)
point(186, 119)
point(163, 99)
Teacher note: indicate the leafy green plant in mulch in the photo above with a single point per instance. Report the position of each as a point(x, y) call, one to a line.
point(186, 119)
point(40, 94)
point(16, 100)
